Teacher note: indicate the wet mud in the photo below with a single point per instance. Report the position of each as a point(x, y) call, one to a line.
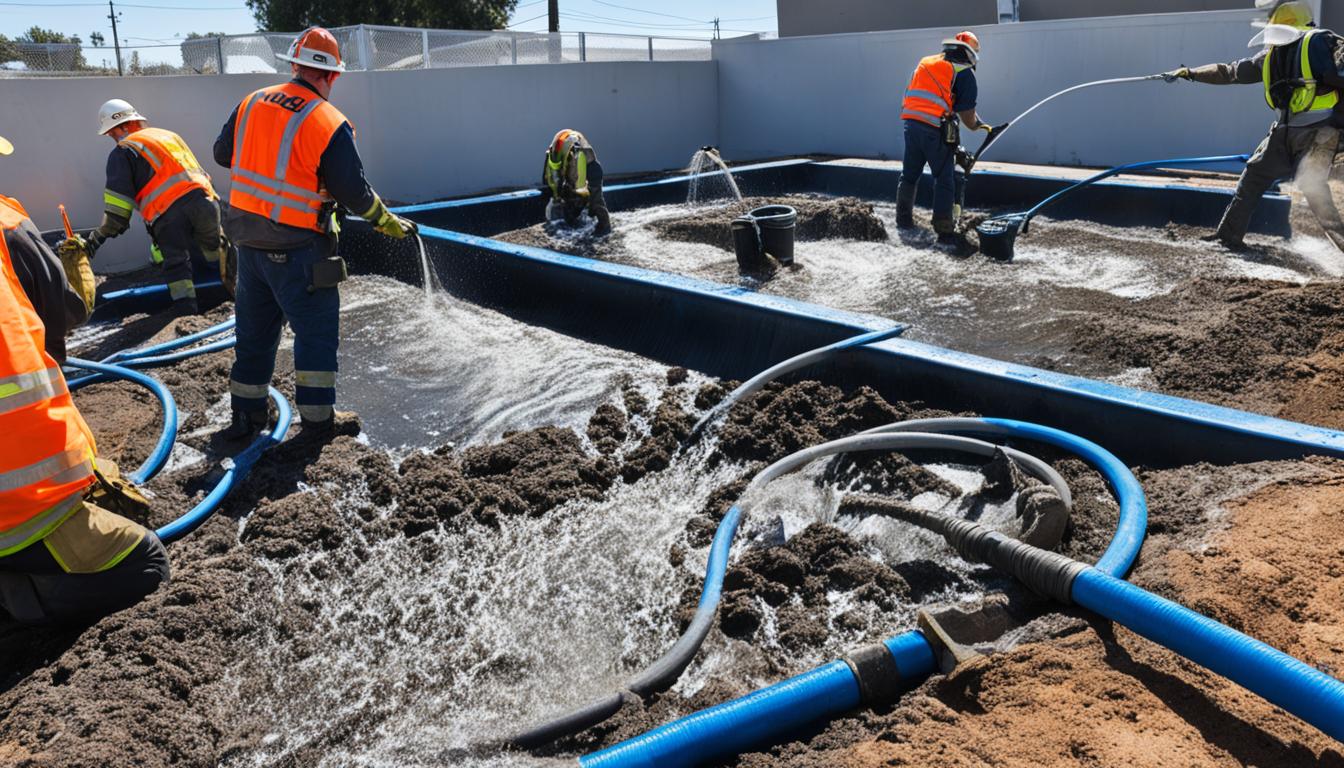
point(1256, 546)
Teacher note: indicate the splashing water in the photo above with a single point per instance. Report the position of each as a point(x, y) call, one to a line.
point(431, 281)
point(712, 183)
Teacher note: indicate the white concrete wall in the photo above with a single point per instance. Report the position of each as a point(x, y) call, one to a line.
point(841, 94)
point(422, 134)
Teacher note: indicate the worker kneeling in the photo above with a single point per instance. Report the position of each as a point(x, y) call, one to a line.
point(62, 559)
point(152, 170)
point(941, 91)
point(573, 176)
point(1302, 83)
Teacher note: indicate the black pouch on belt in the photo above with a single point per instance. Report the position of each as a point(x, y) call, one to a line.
point(328, 272)
point(951, 130)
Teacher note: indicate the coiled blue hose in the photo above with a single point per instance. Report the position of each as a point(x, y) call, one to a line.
point(178, 343)
point(159, 456)
point(242, 465)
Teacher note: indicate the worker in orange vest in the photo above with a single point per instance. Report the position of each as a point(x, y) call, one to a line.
point(293, 160)
point(942, 90)
point(60, 291)
point(62, 559)
point(154, 171)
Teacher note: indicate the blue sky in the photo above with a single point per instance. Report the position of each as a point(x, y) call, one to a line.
point(162, 22)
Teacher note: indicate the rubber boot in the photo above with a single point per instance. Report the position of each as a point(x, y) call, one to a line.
point(340, 423)
point(905, 205)
point(952, 241)
point(603, 220)
point(245, 425)
point(185, 307)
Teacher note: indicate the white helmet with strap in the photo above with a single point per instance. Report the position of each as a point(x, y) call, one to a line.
point(115, 112)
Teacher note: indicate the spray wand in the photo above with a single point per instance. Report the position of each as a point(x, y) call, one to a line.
point(65, 219)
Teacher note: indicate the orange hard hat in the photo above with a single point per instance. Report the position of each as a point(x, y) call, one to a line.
point(965, 39)
point(315, 47)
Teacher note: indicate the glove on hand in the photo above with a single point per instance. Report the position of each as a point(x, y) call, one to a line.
point(1183, 73)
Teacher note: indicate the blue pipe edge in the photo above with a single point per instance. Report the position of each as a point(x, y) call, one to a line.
point(833, 689)
point(159, 456)
point(236, 473)
point(1299, 688)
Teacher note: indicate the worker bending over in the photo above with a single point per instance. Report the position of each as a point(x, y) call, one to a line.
point(574, 177)
point(62, 559)
point(1302, 83)
point(293, 158)
point(152, 170)
point(942, 90)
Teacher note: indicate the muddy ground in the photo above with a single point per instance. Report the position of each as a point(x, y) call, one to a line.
point(1256, 546)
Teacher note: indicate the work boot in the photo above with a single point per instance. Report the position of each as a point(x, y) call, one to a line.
point(1236, 245)
point(245, 425)
point(340, 423)
point(956, 244)
point(905, 205)
point(603, 221)
point(186, 307)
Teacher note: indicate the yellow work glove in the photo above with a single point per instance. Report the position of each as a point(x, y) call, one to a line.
point(387, 222)
point(74, 253)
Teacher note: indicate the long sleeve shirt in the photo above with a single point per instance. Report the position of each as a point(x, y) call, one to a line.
point(43, 280)
point(1324, 54)
point(341, 172)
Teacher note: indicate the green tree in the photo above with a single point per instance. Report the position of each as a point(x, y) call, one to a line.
point(294, 15)
point(200, 35)
point(36, 34)
point(8, 51)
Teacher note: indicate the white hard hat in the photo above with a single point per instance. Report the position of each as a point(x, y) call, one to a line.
point(315, 47)
point(114, 113)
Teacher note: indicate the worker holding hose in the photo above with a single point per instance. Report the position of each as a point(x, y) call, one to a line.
point(1302, 83)
point(62, 559)
point(152, 170)
point(573, 176)
point(293, 160)
point(942, 90)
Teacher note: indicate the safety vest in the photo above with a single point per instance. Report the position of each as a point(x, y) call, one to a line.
point(1305, 106)
point(176, 173)
point(571, 167)
point(46, 453)
point(928, 98)
point(278, 142)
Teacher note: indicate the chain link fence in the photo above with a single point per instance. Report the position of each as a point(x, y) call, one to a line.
point(363, 48)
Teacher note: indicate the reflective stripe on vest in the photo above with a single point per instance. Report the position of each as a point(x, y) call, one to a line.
point(176, 172)
point(295, 124)
point(929, 96)
point(46, 455)
point(1305, 107)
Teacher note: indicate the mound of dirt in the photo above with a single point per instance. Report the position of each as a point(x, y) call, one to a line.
point(819, 218)
point(1271, 347)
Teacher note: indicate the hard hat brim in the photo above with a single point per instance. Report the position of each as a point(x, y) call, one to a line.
point(339, 67)
point(135, 115)
point(5, 147)
point(1277, 34)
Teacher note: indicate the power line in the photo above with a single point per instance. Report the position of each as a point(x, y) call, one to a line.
point(127, 5)
point(524, 21)
point(654, 13)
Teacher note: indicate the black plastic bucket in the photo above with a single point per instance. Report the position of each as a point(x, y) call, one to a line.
point(777, 224)
point(997, 237)
point(747, 246)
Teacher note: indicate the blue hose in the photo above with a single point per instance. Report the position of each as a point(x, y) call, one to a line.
point(143, 291)
point(178, 343)
point(823, 693)
point(1279, 678)
point(242, 465)
point(159, 456)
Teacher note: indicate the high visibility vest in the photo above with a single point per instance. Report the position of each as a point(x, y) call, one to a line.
point(176, 173)
point(46, 454)
point(1306, 105)
point(571, 166)
point(928, 98)
point(278, 142)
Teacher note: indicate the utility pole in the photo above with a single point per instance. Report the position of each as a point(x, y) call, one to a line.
point(716, 27)
point(553, 14)
point(116, 43)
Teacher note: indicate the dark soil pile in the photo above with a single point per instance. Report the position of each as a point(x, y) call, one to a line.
point(1266, 346)
point(819, 218)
